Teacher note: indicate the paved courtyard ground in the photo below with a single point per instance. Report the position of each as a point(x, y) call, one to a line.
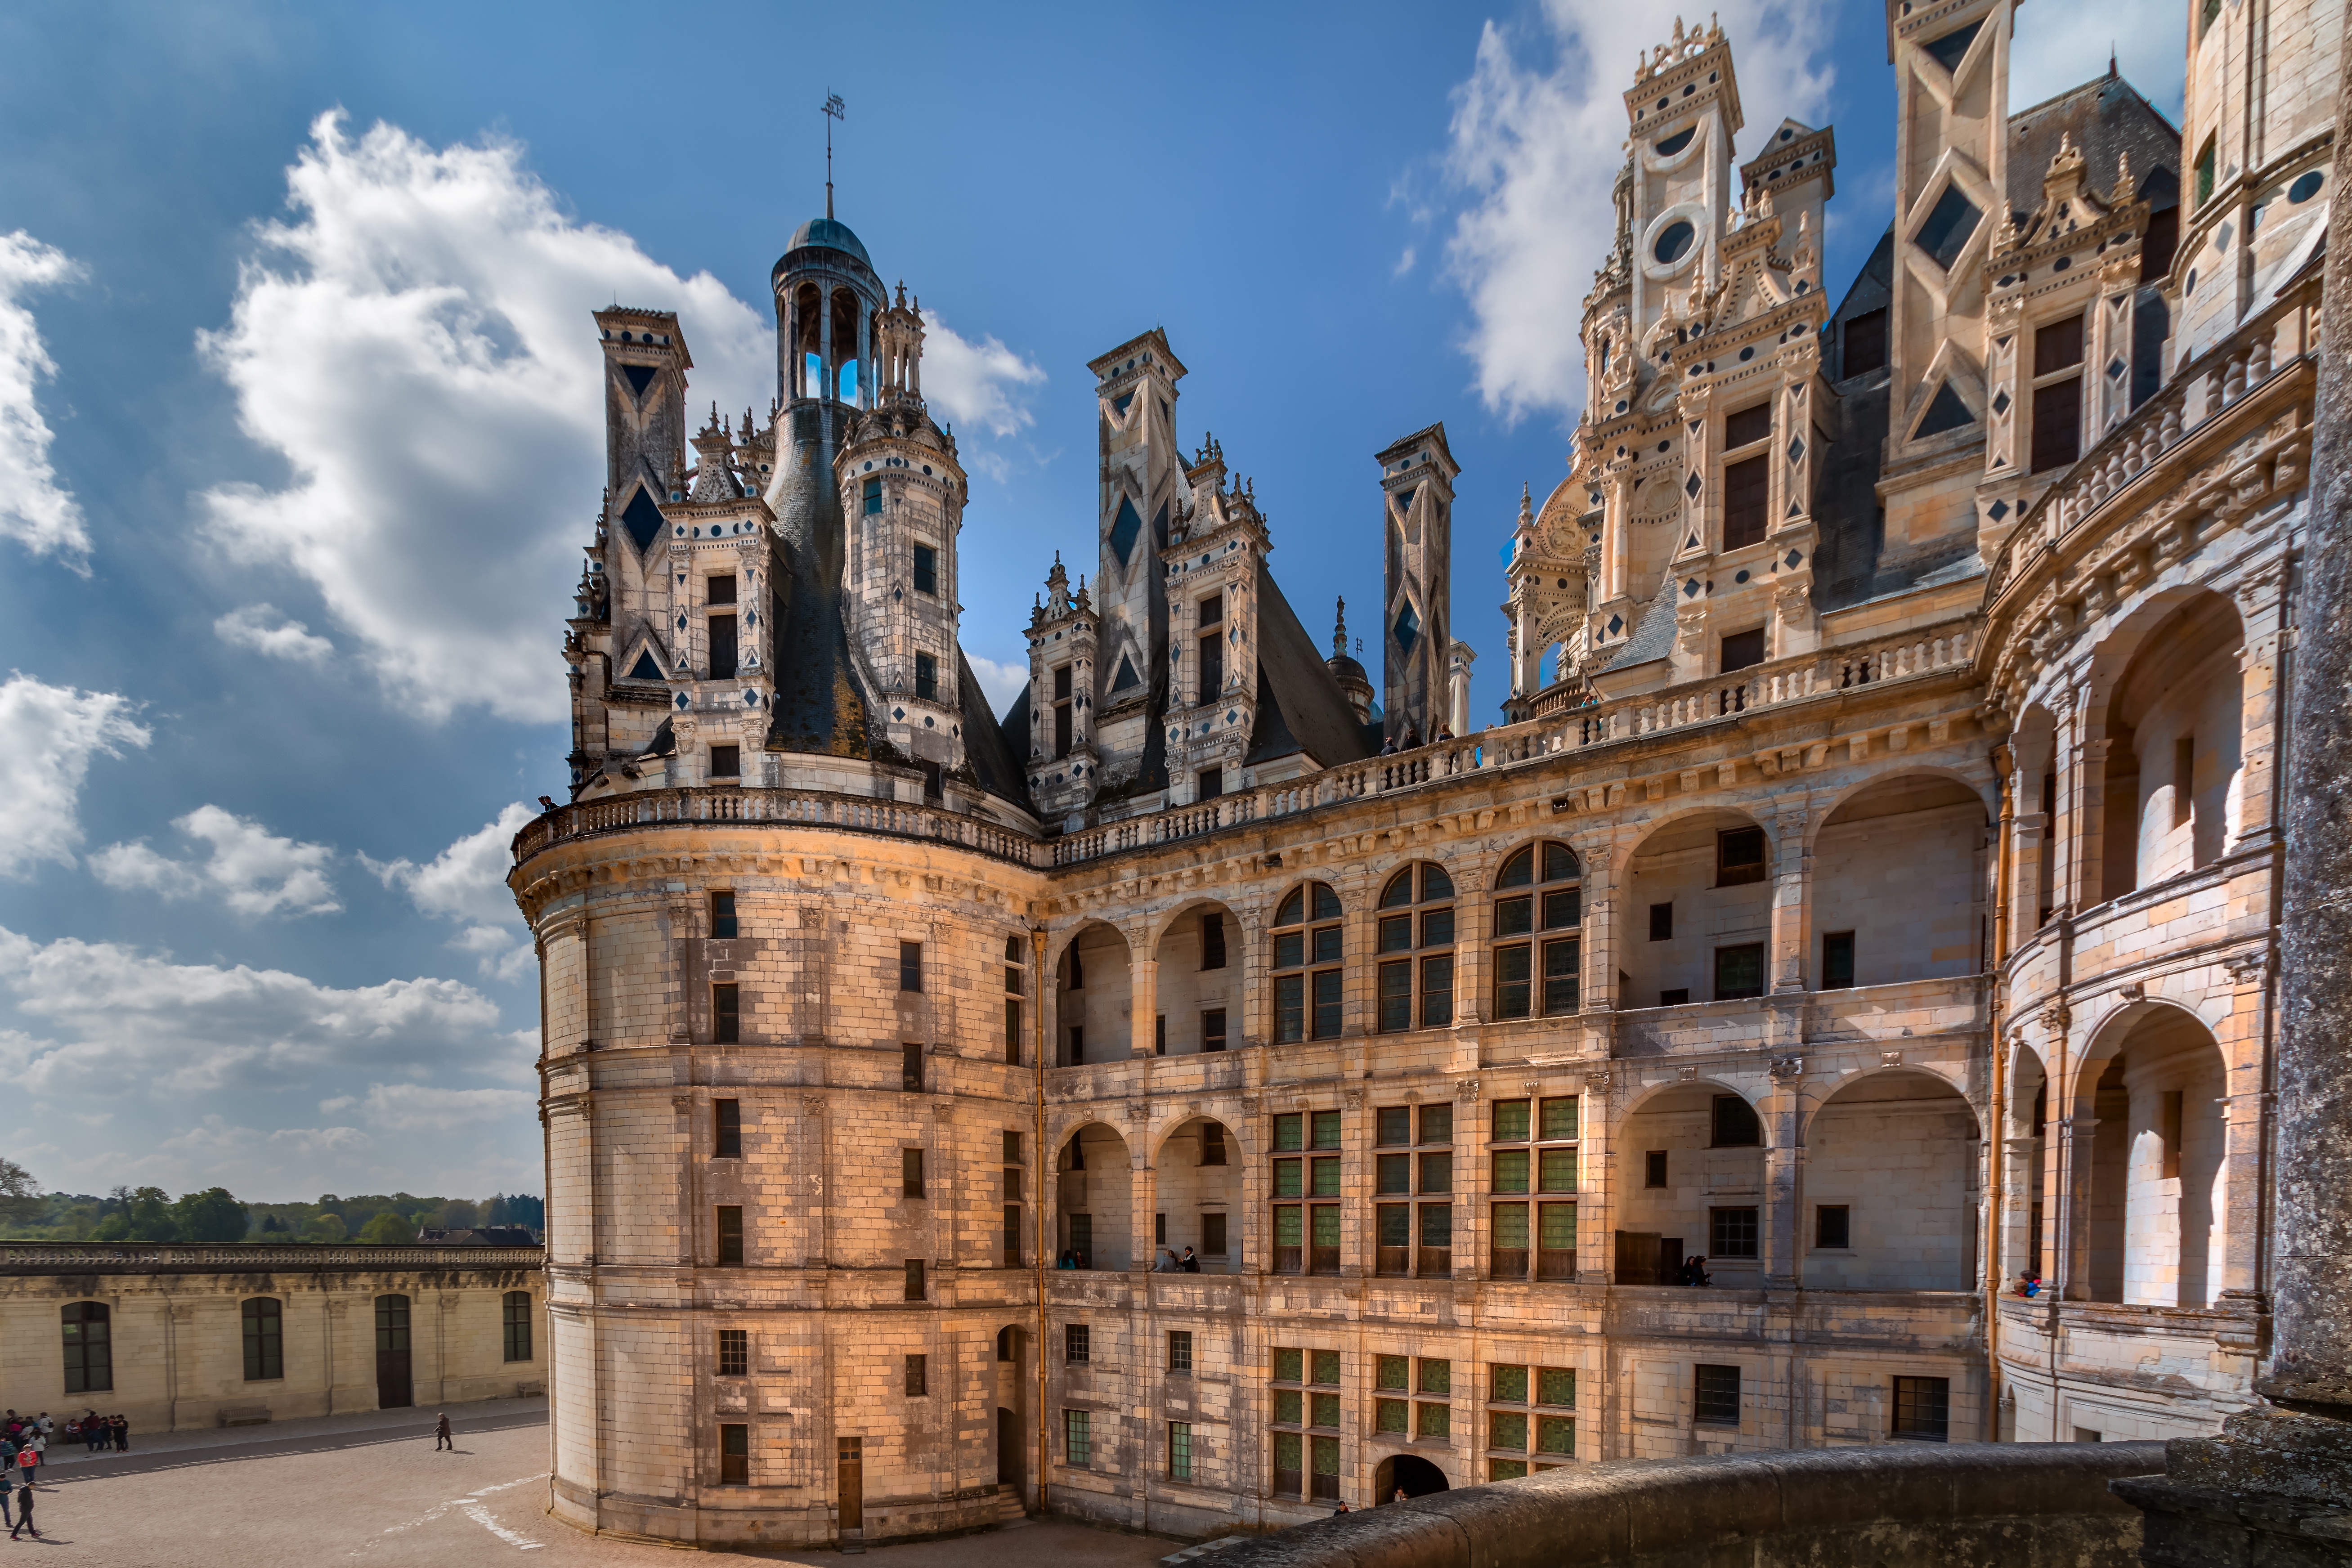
point(371, 1488)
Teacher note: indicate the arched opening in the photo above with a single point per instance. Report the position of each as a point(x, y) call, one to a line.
point(2154, 1207)
point(848, 314)
point(1095, 1223)
point(1690, 1167)
point(1199, 1192)
point(2029, 1135)
point(1536, 927)
point(1014, 1375)
point(1891, 1188)
point(2171, 797)
point(1407, 1473)
point(1897, 884)
point(1698, 915)
point(2033, 745)
point(1200, 983)
point(1414, 935)
point(1095, 991)
point(807, 361)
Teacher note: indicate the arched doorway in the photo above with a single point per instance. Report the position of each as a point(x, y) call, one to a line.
point(1094, 991)
point(1011, 1389)
point(1094, 1178)
point(2153, 1211)
point(1409, 1473)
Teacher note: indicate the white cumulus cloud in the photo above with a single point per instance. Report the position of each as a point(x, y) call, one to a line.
point(35, 510)
point(980, 384)
point(1002, 680)
point(2062, 46)
point(48, 736)
point(259, 628)
point(466, 882)
point(415, 342)
point(416, 1107)
point(256, 871)
point(1537, 137)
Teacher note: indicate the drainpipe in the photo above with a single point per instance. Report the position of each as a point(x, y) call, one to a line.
point(1037, 1225)
point(1996, 1139)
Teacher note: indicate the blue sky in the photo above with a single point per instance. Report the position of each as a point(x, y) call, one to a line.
point(301, 434)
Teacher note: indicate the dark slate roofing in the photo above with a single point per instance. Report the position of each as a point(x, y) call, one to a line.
point(1653, 634)
point(2105, 116)
point(830, 235)
point(819, 705)
point(1300, 705)
point(996, 759)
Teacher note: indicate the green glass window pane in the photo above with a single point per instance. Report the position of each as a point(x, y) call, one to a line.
point(1436, 1377)
point(1326, 1366)
point(1290, 949)
point(1509, 1384)
point(1289, 1178)
point(1326, 1410)
point(1436, 883)
point(1388, 1415)
point(1506, 1429)
point(1289, 1406)
point(1511, 1226)
point(1434, 1420)
point(1393, 1173)
point(1558, 1226)
point(1510, 1169)
point(1510, 1122)
point(1327, 1453)
point(1559, 863)
point(1327, 1176)
point(1506, 1470)
point(1326, 1130)
point(1556, 1171)
point(1556, 1385)
point(1438, 928)
point(1555, 1435)
point(1515, 917)
point(1396, 997)
point(1437, 990)
point(1396, 1225)
point(1326, 944)
point(1563, 909)
point(1289, 1132)
point(1396, 933)
point(1289, 1007)
point(1437, 1172)
point(1288, 1448)
point(1437, 1124)
point(1289, 1225)
point(1436, 1225)
point(1325, 1021)
point(1393, 1124)
point(1390, 1371)
point(1399, 892)
point(1289, 1363)
point(1326, 902)
point(1327, 1225)
point(1559, 1118)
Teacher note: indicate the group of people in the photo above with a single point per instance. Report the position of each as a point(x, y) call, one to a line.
point(1694, 1271)
point(1411, 740)
point(96, 1433)
point(1169, 1263)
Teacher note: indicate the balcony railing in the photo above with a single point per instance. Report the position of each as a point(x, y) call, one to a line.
point(245, 1256)
point(724, 807)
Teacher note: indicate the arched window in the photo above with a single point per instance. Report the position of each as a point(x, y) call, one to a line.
point(89, 1348)
point(1538, 907)
point(1306, 964)
point(517, 1313)
point(1416, 948)
point(265, 1340)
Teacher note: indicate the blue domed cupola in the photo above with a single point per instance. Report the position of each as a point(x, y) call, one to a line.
point(827, 297)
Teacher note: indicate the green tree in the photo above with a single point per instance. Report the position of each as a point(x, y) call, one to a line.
point(145, 1215)
point(20, 1196)
point(211, 1214)
point(389, 1228)
point(326, 1228)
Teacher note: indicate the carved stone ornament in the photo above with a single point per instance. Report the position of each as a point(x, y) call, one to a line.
point(1687, 1075)
point(1787, 1068)
point(2133, 992)
point(1249, 1105)
point(1352, 1098)
point(2247, 968)
point(812, 1105)
point(1598, 1081)
point(1890, 1059)
point(1467, 1089)
point(2056, 1016)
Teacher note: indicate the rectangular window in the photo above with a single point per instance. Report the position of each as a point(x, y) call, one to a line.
point(1392, 1235)
point(726, 762)
point(1393, 1173)
point(1715, 1395)
point(1437, 1124)
point(1289, 1131)
point(1437, 1172)
point(1512, 1121)
point(1289, 1365)
point(1556, 1241)
point(1436, 1256)
point(517, 1314)
point(722, 648)
point(927, 678)
point(264, 1339)
point(1735, 1124)
point(1324, 1453)
point(1515, 917)
point(1323, 1130)
point(1323, 1367)
point(1180, 1350)
point(722, 917)
point(2205, 161)
point(1739, 971)
point(1327, 1004)
point(1731, 1233)
point(1213, 1029)
point(1745, 486)
point(1831, 1228)
point(1392, 1124)
point(910, 1069)
point(726, 1015)
point(1923, 1409)
point(1011, 1236)
point(1437, 990)
point(1289, 1007)
point(1289, 1238)
point(926, 569)
point(910, 1173)
point(1747, 427)
point(1012, 1153)
point(1213, 1235)
point(1557, 1119)
point(1213, 941)
point(1078, 1439)
point(1556, 1385)
point(1077, 1343)
point(1180, 1450)
point(1391, 1372)
point(1289, 1464)
point(910, 966)
point(1432, 1420)
point(1556, 1170)
point(1678, 997)
point(730, 1234)
point(1653, 1168)
point(872, 495)
point(719, 590)
point(2057, 422)
point(2169, 1109)
point(918, 1377)
point(727, 1129)
point(1738, 856)
point(1865, 343)
point(1837, 959)
point(734, 1455)
point(1212, 668)
point(1556, 1436)
point(1507, 1430)
point(1391, 1416)
point(1077, 1048)
point(1159, 1035)
point(2184, 779)
point(1560, 961)
point(1562, 909)
point(1396, 995)
point(1324, 1230)
point(1662, 923)
point(1508, 1250)
point(1510, 1171)
point(1212, 1143)
point(734, 1352)
point(1013, 1031)
point(1514, 993)
point(1741, 649)
point(915, 1279)
point(1436, 1377)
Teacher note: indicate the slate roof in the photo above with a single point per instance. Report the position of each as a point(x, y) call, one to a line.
point(2105, 116)
point(989, 746)
point(1300, 706)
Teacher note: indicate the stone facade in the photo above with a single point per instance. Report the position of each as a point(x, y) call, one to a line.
point(175, 1337)
point(1875, 902)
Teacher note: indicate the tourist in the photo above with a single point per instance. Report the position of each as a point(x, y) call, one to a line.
point(24, 1510)
point(1069, 1258)
point(121, 1435)
point(1166, 1262)
point(95, 1431)
point(8, 1480)
point(1400, 1495)
point(1342, 1507)
point(1388, 746)
point(1191, 1262)
point(441, 1438)
point(2030, 1286)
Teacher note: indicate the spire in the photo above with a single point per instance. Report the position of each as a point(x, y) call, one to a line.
point(833, 111)
point(1339, 631)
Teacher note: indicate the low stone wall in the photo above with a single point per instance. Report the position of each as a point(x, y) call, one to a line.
point(1967, 1505)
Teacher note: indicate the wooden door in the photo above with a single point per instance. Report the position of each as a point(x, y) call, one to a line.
point(1008, 1448)
point(849, 1482)
point(1637, 1257)
point(394, 1389)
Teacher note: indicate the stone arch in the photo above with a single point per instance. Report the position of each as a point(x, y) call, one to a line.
point(1094, 1185)
point(1094, 1017)
point(1198, 1170)
point(1012, 1380)
point(1712, 940)
point(1891, 1194)
point(2151, 1163)
point(1414, 1474)
point(1897, 886)
point(1196, 951)
point(2033, 776)
point(2024, 1149)
point(2168, 699)
point(1673, 1171)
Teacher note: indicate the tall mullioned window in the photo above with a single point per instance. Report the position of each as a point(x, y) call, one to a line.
point(514, 1321)
point(1413, 1184)
point(1530, 1419)
point(1306, 1191)
point(1306, 1410)
point(1307, 955)
point(1016, 986)
point(1416, 942)
point(1533, 1177)
point(1538, 941)
point(265, 1340)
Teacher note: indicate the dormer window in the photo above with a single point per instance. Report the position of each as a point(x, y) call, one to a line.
point(1213, 649)
point(2057, 394)
point(720, 590)
point(1747, 475)
point(1062, 721)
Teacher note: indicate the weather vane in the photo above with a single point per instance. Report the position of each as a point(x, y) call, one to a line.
point(834, 109)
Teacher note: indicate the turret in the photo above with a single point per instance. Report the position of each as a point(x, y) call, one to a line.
point(1417, 476)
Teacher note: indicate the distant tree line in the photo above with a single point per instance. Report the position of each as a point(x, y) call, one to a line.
point(216, 1215)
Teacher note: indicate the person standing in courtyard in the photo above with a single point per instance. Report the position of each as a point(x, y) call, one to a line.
point(121, 1435)
point(441, 1438)
point(25, 1512)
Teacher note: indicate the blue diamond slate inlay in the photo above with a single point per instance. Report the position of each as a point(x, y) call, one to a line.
point(1691, 487)
point(1125, 529)
point(1997, 510)
point(642, 518)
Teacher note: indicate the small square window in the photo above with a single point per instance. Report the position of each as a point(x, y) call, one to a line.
point(1716, 1395)
point(1653, 1168)
point(1289, 1365)
point(1180, 1350)
point(1831, 1228)
point(1507, 1384)
point(719, 590)
point(1436, 1377)
point(1662, 923)
point(726, 762)
point(1432, 1420)
point(1743, 649)
point(1324, 1365)
point(1738, 856)
point(1556, 1385)
point(1739, 971)
point(1923, 1409)
point(1736, 1126)
point(1391, 1372)
point(1077, 1343)
point(734, 1352)
point(1731, 1233)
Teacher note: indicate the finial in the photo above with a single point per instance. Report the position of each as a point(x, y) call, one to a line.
point(2123, 177)
point(1339, 630)
point(834, 109)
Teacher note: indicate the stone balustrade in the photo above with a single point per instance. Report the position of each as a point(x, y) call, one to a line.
point(31, 1257)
